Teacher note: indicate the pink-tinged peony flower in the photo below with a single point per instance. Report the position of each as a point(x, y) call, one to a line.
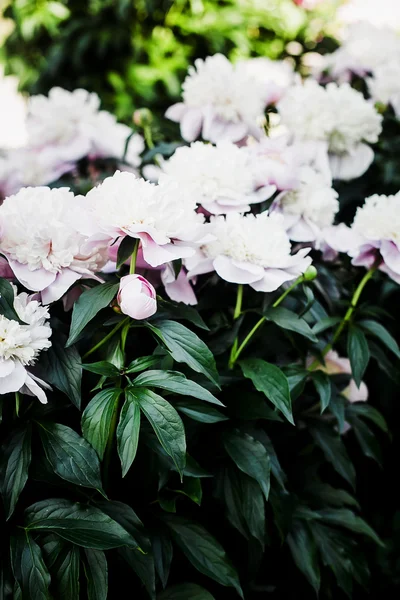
point(275, 76)
point(336, 365)
point(221, 101)
point(21, 345)
point(313, 113)
point(219, 178)
point(250, 249)
point(72, 125)
point(43, 241)
point(136, 297)
point(309, 208)
point(24, 167)
point(162, 217)
point(274, 163)
point(376, 235)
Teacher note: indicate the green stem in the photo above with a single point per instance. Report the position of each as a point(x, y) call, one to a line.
point(349, 313)
point(148, 136)
point(17, 403)
point(106, 338)
point(110, 440)
point(236, 352)
point(132, 266)
point(236, 315)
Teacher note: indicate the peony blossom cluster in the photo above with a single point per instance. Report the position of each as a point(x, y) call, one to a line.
point(63, 128)
point(313, 113)
point(21, 344)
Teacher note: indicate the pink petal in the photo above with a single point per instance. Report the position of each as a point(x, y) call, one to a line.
point(60, 286)
point(36, 280)
point(391, 256)
point(179, 289)
point(228, 271)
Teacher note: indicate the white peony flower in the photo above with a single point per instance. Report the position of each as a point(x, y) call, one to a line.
point(309, 208)
point(162, 217)
point(250, 249)
point(25, 167)
point(374, 237)
point(219, 178)
point(337, 115)
point(274, 162)
point(384, 86)
point(221, 101)
point(20, 346)
point(42, 239)
point(365, 48)
point(276, 76)
point(72, 124)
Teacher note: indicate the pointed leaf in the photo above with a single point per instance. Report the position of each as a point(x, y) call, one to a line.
point(185, 591)
point(198, 411)
point(88, 305)
point(102, 368)
point(162, 552)
point(358, 351)
point(203, 551)
point(128, 431)
point(142, 363)
point(96, 571)
point(64, 370)
point(304, 552)
point(71, 457)
point(185, 346)
point(166, 423)
point(176, 382)
point(143, 566)
point(66, 574)
point(29, 568)
point(251, 457)
point(335, 452)
point(7, 297)
point(125, 250)
point(15, 461)
point(323, 386)
point(379, 331)
point(97, 418)
point(270, 380)
point(286, 319)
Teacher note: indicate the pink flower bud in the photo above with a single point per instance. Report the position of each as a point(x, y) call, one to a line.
point(136, 297)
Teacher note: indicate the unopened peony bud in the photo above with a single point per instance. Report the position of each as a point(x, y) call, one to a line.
point(310, 274)
point(142, 117)
point(136, 297)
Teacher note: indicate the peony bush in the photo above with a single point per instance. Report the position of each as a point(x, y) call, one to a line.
point(193, 336)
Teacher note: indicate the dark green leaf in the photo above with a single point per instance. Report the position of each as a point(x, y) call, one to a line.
point(97, 418)
point(64, 370)
point(198, 411)
point(80, 524)
point(125, 250)
point(173, 381)
point(128, 519)
point(191, 489)
point(270, 380)
point(162, 552)
point(185, 346)
point(203, 551)
point(324, 324)
point(166, 423)
point(66, 574)
point(102, 368)
point(358, 351)
point(336, 552)
point(367, 440)
point(128, 431)
point(88, 305)
point(71, 456)
point(250, 456)
point(29, 568)
point(251, 406)
point(15, 461)
point(342, 517)
point(96, 571)
point(143, 566)
point(361, 409)
point(185, 591)
point(323, 386)
point(334, 451)
point(245, 504)
point(304, 552)
point(382, 334)
point(289, 320)
point(326, 494)
point(142, 363)
point(168, 309)
point(7, 301)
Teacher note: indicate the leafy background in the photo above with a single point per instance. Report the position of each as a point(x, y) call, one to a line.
point(311, 534)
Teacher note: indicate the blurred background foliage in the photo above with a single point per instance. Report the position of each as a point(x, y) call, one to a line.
point(135, 53)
